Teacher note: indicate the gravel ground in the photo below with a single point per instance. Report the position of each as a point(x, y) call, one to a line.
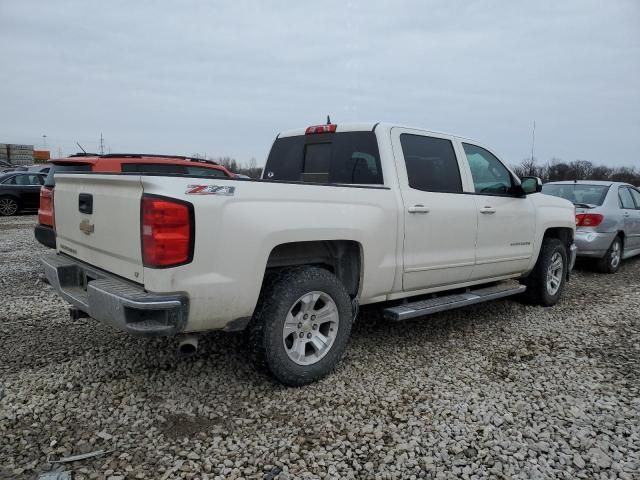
point(500, 390)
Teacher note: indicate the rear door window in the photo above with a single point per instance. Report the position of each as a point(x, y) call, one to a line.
point(636, 197)
point(26, 180)
point(626, 200)
point(336, 158)
point(35, 179)
point(431, 164)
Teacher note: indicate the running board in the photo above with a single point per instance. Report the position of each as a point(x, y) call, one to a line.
point(449, 302)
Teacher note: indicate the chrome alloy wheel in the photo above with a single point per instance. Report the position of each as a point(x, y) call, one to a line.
point(554, 273)
point(616, 254)
point(310, 328)
point(8, 206)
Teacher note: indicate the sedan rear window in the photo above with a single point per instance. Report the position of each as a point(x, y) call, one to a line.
point(335, 158)
point(577, 192)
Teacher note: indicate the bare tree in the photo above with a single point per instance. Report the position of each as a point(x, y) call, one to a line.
point(556, 170)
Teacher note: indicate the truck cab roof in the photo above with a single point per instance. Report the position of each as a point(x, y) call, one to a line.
point(371, 127)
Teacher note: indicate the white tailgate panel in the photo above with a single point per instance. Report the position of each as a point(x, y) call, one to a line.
point(114, 244)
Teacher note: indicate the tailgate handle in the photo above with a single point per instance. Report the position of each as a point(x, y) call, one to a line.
point(85, 203)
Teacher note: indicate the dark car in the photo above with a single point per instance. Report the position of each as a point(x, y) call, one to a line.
point(20, 191)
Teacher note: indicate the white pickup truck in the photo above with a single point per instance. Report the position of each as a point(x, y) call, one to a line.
point(345, 215)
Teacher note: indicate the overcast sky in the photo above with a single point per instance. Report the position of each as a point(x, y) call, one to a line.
point(225, 77)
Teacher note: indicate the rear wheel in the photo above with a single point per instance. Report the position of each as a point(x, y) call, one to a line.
point(8, 206)
point(610, 263)
point(302, 325)
point(546, 283)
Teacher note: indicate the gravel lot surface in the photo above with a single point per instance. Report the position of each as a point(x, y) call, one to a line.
point(500, 390)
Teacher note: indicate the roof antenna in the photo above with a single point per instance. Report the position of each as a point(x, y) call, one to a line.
point(328, 120)
point(83, 150)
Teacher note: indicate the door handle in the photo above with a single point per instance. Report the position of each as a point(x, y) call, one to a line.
point(418, 209)
point(487, 209)
point(626, 214)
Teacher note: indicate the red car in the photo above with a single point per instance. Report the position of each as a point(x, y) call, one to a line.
point(165, 164)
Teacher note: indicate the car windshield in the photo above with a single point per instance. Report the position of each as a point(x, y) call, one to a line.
point(578, 193)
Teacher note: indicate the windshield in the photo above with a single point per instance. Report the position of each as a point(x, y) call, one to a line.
point(577, 192)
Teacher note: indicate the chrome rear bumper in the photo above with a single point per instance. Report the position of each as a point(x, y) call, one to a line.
point(114, 301)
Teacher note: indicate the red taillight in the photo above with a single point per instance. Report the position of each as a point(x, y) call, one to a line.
point(328, 128)
point(167, 232)
point(588, 219)
point(45, 211)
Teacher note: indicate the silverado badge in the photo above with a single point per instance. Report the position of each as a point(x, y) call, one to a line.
point(86, 227)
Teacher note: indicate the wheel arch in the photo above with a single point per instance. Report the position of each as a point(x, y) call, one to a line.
point(344, 258)
point(10, 195)
point(564, 234)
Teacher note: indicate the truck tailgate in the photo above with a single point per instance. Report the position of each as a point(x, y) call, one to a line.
point(97, 220)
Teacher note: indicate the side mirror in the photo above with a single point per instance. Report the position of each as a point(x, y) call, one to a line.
point(531, 184)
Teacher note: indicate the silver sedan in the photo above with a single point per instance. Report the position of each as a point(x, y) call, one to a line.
point(607, 219)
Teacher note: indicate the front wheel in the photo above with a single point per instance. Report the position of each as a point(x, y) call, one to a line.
point(8, 206)
point(302, 324)
point(546, 283)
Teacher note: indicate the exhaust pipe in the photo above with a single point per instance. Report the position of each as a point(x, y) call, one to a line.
point(188, 345)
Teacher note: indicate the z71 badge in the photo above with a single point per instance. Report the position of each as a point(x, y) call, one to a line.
point(210, 190)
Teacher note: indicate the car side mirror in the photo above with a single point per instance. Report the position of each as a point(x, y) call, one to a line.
point(531, 184)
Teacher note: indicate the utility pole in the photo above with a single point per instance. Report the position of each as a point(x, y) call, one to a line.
point(533, 140)
point(101, 144)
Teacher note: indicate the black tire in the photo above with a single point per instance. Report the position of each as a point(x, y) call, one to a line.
point(9, 206)
point(538, 290)
point(609, 263)
point(280, 293)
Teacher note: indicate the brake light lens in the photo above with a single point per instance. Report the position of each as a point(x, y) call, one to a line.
point(588, 219)
point(328, 128)
point(167, 232)
point(45, 210)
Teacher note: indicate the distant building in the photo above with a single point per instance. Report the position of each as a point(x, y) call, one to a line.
point(17, 154)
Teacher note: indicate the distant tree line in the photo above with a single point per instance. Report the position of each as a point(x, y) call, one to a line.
point(552, 171)
point(250, 168)
point(556, 170)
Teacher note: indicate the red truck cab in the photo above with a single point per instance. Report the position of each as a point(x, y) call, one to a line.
point(114, 163)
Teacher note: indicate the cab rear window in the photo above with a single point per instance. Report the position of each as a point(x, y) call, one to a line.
point(337, 158)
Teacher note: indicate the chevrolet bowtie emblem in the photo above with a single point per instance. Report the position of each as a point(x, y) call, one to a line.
point(86, 227)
